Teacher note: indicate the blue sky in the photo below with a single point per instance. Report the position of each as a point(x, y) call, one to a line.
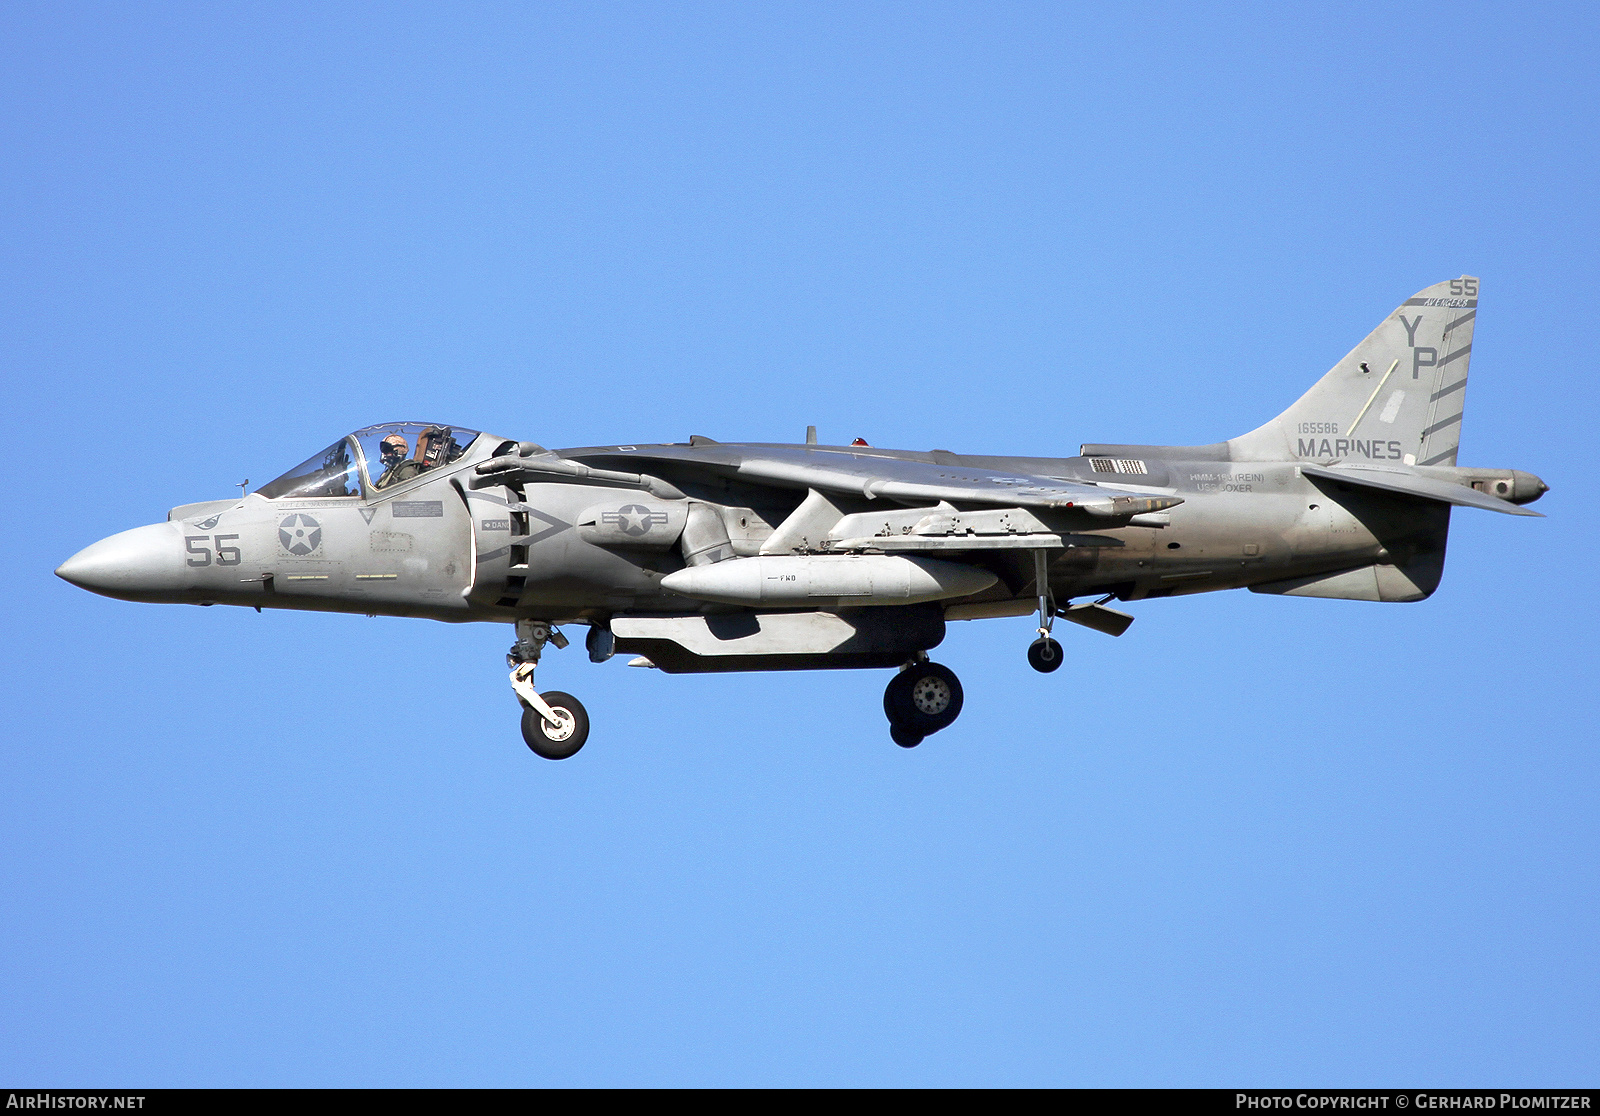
point(1255, 840)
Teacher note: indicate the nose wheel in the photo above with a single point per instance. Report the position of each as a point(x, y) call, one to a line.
point(559, 734)
point(554, 725)
point(919, 701)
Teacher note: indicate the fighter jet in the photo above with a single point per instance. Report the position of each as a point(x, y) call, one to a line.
point(738, 556)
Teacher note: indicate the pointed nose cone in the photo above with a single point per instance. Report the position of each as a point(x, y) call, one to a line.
point(144, 564)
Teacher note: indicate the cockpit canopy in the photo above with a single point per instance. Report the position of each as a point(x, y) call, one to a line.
point(380, 457)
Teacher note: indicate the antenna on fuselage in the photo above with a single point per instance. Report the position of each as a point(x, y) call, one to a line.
point(811, 435)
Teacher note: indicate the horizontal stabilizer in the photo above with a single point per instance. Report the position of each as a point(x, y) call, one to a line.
point(1098, 617)
point(1408, 483)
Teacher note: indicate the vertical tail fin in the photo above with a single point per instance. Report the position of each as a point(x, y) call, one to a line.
point(1398, 396)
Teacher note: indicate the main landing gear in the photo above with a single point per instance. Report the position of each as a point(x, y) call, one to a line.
point(926, 697)
point(554, 725)
point(919, 701)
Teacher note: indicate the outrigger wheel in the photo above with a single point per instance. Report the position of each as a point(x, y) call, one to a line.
point(562, 738)
point(922, 699)
point(1044, 655)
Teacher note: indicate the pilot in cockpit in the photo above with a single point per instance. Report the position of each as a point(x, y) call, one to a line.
point(396, 466)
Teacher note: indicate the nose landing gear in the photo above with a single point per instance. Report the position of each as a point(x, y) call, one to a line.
point(559, 729)
point(919, 701)
point(554, 725)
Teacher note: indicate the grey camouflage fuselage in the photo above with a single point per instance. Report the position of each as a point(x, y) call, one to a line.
point(735, 556)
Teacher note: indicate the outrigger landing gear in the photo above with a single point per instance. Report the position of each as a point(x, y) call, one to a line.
point(554, 725)
point(919, 701)
point(1044, 654)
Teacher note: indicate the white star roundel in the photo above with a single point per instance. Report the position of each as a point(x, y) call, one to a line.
point(299, 534)
point(634, 519)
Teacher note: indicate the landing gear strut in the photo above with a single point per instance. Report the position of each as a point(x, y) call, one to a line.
point(554, 725)
point(1044, 654)
point(919, 701)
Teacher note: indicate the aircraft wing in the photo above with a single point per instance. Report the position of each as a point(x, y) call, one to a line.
point(879, 476)
point(1413, 484)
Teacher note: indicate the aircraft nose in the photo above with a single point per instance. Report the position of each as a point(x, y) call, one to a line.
point(143, 564)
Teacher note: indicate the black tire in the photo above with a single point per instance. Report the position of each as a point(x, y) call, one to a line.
point(1045, 655)
point(555, 742)
point(923, 699)
point(904, 736)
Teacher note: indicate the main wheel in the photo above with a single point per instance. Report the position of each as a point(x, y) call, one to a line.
point(922, 699)
point(904, 736)
point(562, 739)
point(1044, 655)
